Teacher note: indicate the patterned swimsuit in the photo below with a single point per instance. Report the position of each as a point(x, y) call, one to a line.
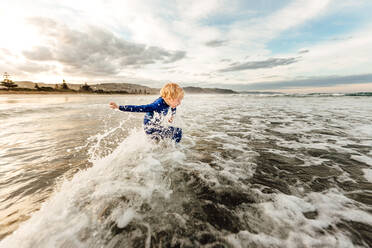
point(154, 119)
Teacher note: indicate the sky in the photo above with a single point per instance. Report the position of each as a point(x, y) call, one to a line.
point(245, 45)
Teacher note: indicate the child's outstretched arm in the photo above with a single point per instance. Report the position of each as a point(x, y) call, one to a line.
point(137, 108)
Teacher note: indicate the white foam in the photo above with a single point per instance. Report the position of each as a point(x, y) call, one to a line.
point(132, 171)
point(362, 130)
point(334, 206)
point(368, 174)
point(288, 227)
point(295, 239)
point(363, 159)
point(124, 219)
point(136, 170)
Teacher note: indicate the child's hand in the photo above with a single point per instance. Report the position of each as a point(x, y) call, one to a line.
point(113, 105)
point(170, 120)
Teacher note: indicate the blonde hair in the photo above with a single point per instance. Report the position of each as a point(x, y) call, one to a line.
point(171, 91)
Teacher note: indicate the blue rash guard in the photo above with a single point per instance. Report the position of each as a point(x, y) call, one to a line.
point(154, 117)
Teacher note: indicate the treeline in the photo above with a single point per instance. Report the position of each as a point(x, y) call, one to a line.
point(11, 86)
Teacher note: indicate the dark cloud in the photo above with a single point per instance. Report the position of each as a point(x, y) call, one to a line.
point(269, 63)
point(216, 43)
point(95, 51)
point(178, 55)
point(304, 83)
point(303, 51)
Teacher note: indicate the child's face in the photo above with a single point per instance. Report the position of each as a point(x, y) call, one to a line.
point(173, 103)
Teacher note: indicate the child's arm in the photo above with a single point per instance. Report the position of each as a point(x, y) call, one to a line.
point(137, 108)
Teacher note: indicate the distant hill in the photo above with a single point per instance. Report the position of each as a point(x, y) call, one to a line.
point(125, 87)
point(198, 90)
point(130, 88)
point(359, 94)
point(261, 92)
point(109, 87)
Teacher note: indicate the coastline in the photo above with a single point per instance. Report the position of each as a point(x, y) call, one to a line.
point(29, 87)
point(26, 92)
point(36, 92)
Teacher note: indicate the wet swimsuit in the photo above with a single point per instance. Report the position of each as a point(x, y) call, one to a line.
point(153, 121)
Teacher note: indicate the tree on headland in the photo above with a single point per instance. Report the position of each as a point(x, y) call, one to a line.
point(7, 82)
point(64, 85)
point(43, 88)
point(9, 85)
point(85, 87)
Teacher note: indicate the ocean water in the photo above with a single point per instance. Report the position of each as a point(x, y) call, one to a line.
point(250, 171)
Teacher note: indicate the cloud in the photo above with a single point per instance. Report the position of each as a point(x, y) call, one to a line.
point(94, 51)
point(30, 67)
point(46, 26)
point(252, 65)
point(234, 63)
point(303, 51)
point(204, 74)
point(4, 52)
point(122, 38)
point(196, 10)
point(225, 60)
point(39, 53)
point(343, 38)
point(216, 43)
point(176, 56)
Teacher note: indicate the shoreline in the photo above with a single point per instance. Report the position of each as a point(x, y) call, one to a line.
point(34, 92)
point(19, 92)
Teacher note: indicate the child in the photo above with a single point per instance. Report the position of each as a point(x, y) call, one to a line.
point(171, 96)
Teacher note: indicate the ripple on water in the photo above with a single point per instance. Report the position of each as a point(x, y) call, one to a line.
point(287, 173)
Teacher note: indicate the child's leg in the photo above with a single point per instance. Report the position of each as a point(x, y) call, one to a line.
point(154, 133)
point(175, 133)
point(160, 132)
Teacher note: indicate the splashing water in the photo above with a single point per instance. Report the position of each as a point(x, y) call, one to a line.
point(281, 173)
